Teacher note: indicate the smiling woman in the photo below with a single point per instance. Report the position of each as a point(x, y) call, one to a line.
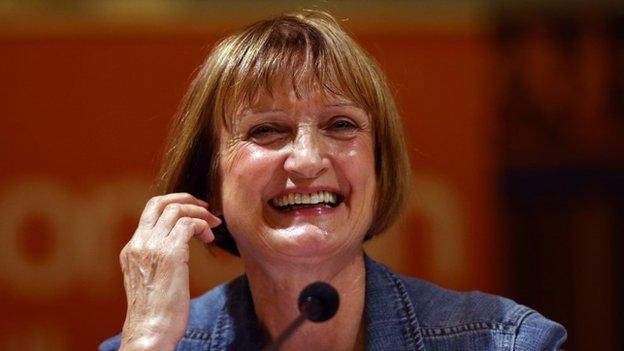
point(288, 152)
point(236, 87)
point(305, 147)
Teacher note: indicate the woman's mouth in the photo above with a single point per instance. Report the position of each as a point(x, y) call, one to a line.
point(295, 201)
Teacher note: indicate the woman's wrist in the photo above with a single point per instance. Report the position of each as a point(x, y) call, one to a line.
point(145, 343)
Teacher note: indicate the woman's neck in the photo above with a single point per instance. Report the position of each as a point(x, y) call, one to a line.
point(276, 287)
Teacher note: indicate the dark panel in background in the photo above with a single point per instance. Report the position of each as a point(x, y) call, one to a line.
point(561, 116)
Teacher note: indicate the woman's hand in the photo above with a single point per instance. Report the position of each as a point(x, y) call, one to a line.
point(155, 269)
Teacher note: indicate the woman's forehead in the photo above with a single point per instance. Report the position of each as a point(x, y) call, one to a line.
point(282, 96)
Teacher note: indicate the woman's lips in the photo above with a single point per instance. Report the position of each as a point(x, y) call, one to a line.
point(308, 210)
point(303, 199)
point(306, 197)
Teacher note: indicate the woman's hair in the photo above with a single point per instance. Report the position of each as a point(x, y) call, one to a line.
point(311, 50)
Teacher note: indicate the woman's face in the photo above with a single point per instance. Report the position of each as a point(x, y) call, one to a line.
point(298, 176)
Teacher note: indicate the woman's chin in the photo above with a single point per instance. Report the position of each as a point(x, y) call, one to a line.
point(305, 241)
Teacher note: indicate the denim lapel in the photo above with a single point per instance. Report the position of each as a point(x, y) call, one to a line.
point(391, 323)
point(237, 326)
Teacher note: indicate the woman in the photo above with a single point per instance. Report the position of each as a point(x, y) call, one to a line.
point(288, 152)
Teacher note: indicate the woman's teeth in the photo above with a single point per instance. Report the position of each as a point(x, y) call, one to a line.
point(296, 199)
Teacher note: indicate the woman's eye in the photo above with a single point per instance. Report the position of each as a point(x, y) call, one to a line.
point(266, 133)
point(343, 124)
point(262, 130)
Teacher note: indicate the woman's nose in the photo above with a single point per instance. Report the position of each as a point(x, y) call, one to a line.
point(306, 158)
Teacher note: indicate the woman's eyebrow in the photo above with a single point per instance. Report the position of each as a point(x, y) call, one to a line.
point(259, 111)
point(342, 104)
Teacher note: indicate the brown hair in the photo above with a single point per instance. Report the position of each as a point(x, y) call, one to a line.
point(312, 48)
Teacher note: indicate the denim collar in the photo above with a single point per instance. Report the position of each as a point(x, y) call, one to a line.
point(390, 320)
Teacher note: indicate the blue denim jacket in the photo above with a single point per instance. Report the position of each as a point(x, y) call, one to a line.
point(401, 313)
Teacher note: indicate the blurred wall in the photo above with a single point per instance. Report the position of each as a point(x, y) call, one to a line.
point(560, 88)
point(86, 100)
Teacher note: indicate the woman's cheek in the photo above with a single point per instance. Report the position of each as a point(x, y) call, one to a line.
point(239, 157)
point(245, 177)
point(248, 171)
point(357, 153)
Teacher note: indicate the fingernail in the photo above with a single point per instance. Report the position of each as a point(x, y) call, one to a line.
point(206, 236)
point(216, 221)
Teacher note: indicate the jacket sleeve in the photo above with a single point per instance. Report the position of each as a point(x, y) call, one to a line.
point(111, 344)
point(537, 333)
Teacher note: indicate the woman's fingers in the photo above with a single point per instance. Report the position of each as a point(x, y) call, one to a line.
point(213, 221)
point(156, 205)
point(174, 211)
point(206, 236)
point(156, 259)
point(187, 227)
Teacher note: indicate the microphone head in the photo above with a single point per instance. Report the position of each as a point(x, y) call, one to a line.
point(319, 302)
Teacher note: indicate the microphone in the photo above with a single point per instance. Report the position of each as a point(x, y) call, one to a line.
point(318, 302)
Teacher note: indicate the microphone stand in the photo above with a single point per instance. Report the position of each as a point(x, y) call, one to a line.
point(275, 345)
point(318, 302)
